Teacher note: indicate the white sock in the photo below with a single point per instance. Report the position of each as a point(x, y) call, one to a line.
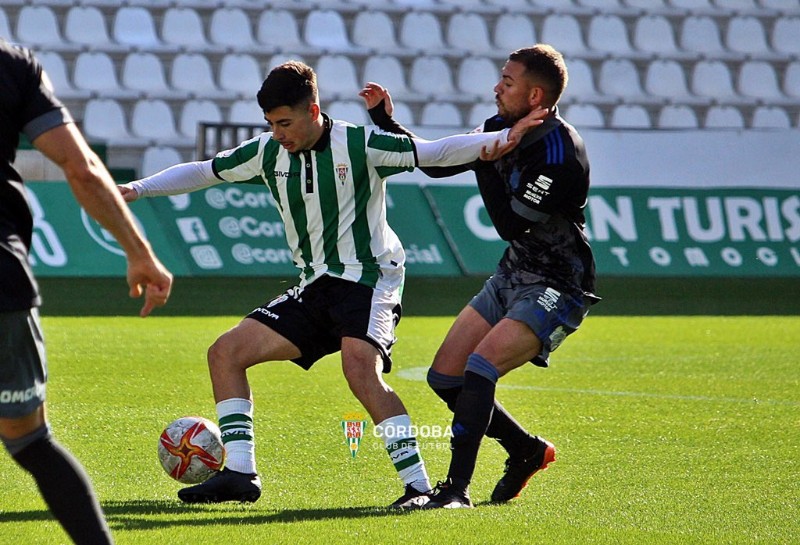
point(404, 451)
point(236, 424)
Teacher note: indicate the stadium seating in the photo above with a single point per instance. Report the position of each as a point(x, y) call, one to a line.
point(634, 64)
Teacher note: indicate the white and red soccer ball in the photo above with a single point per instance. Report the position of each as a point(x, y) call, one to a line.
point(190, 449)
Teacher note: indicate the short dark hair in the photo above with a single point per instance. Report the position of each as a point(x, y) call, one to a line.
point(546, 67)
point(288, 84)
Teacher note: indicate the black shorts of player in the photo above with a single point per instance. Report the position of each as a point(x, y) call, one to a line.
point(316, 318)
point(23, 364)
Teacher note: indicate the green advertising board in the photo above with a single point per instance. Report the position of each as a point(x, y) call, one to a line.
point(655, 231)
point(235, 230)
point(226, 230)
point(67, 242)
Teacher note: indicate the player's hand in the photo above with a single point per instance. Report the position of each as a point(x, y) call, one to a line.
point(521, 127)
point(128, 193)
point(372, 93)
point(146, 275)
point(496, 151)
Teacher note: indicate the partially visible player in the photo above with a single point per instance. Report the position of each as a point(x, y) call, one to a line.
point(544, 283)
point(27, 105)
point(328, 178)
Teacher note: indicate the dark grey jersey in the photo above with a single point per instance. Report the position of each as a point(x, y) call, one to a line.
point(536, 197)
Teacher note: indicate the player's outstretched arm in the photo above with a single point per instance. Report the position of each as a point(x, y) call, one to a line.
point(174, 180)
point(96, 192)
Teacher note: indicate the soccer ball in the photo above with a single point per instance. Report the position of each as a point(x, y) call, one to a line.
point(190, 449)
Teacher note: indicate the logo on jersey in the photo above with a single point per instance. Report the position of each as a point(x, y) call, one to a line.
point(543, 182)
point(341, 172)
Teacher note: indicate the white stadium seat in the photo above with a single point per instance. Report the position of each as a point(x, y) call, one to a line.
point(654, 34)
point(183, 27)
point(700, 34)
point(608, 34)
point(196, 111)
point(94, 71)
point(677, 116)
point(336, 75)
point(512, 31)
point(619, 77)
point(153, 120)
point(192, 72)
point(348, 110)
point(770, 117)
point(758, 79)
point(441, 114)
point(431, 75)
point(278, 28)
point(421, 31)
point(387, 71)
point(480, 112)
point(326, 29)
point(667, 79)
point(86, 25)
point(104, 119)
point(144, 72)
point(230, 27)
point(157, 158)
point(786, 35)
point(564, 33)
point(584, 116)
point(38, 25)
point(713, 79)
point(791, 80)
point(746, 35)
point(724, 117)
point(468, 31)
point(581, 84)
point(245, 111)
point(240, 73)
point(374, 29)
point(134, 25)
point(630, 116)
point(5, 26)
point(477, 76)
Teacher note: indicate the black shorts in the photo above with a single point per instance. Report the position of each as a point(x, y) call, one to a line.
point(316, 317)
point(23, 365)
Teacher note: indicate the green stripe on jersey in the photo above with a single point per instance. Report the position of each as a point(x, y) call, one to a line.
point(268, 163)
point(240, 156)
point(389, 142)
point(362, 237)
point(297, 211)
point(329, 206)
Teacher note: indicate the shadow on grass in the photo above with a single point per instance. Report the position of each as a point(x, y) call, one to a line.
point(148, 514)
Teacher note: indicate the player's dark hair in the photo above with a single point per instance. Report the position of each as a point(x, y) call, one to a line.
point(546, 67)
point(289, 84)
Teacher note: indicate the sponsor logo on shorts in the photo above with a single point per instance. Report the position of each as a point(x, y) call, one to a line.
point(22, 396)
point(549, 299)
point(267, 313)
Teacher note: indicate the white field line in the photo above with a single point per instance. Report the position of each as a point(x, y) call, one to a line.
point(418, 374)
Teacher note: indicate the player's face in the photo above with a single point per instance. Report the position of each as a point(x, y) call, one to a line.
point(514, 92)
point(295, 128)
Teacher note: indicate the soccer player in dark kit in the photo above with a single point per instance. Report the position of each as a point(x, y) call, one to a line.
point(543, 285)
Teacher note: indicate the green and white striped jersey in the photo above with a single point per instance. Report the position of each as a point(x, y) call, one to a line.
point(332, 198)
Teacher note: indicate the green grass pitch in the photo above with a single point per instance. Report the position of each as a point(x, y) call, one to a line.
point(668, 429)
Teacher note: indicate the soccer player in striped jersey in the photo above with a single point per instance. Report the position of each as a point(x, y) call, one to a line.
point(544, 283)
point(327, 178)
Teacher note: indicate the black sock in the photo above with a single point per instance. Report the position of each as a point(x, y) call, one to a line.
point(502, 426)
point(66, 489)
point(470, 421)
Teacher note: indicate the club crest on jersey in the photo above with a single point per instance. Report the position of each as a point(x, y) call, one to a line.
point(341, 172)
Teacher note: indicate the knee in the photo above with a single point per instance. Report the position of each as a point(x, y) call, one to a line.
point(218, 355)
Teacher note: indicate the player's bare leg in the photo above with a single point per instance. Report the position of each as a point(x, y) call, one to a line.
point(247, 344)
point(362, 366)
